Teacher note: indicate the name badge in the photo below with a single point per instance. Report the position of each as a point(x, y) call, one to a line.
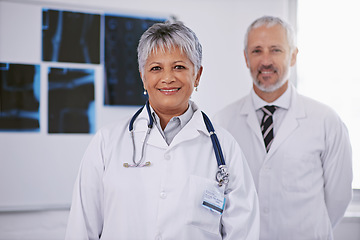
point(214, 200)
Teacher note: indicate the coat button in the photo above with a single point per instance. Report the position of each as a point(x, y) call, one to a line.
point(163, 195)
point(267, 168)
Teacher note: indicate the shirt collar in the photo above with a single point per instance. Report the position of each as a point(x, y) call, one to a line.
point(283, 101)
point(182, 119)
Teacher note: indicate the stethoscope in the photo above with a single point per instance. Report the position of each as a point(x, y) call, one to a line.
point(222, 175)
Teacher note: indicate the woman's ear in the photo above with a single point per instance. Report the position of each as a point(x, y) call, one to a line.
point(142, 79)
point(198, 75)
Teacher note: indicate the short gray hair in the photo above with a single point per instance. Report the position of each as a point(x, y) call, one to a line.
point(270, 21)
point(166, 36)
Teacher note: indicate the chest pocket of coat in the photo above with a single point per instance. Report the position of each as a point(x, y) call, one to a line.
point(197, 215)
point(298, 172)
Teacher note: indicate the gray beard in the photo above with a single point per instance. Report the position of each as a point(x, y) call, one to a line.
point(275, 86)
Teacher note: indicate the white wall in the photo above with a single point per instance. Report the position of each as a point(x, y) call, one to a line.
point(35, 176)
point(220, 26)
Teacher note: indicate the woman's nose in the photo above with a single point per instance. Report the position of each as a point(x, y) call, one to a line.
point(168, 76)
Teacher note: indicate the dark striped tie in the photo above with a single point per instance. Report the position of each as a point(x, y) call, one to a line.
point(267, 125)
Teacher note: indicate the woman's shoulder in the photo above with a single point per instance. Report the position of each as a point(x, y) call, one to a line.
point(114, 127)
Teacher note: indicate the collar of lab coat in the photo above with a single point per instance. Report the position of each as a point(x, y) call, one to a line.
point(192, 129)
point(295, 112)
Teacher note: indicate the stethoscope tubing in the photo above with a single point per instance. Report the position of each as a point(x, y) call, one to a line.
point(217, 148)
point(151, 120)
point(222, 176)
point(131, 129)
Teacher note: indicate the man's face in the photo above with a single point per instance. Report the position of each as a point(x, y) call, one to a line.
point(269, 57)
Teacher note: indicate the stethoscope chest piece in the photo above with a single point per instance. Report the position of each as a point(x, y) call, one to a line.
point(131, 129)
point(222, 176)
point(127, 165)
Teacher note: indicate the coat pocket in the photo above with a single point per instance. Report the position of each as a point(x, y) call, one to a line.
point(198, 215)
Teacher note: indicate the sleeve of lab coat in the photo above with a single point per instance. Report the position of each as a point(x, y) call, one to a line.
point(337, 165)
point(241, 219)
point(86, 218)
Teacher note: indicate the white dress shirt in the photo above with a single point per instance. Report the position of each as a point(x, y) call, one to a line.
point(174, 125)
point(282, 103)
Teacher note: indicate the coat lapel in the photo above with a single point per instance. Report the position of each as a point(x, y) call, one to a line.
point(141, 127)
point(192, 129)
point(251, 119)
point(289, 123)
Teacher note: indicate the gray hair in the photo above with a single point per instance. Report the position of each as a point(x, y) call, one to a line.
point(166, 36)
point(270, 21)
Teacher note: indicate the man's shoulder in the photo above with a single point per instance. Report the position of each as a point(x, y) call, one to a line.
point(230, 113)
point(311, 103)
point(317, 108)
point(233, 107)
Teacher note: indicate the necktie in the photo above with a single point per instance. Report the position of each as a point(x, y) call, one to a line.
point(267, 125)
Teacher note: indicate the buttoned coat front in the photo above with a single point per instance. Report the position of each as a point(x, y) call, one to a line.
point(304, 181)
point(163, 200)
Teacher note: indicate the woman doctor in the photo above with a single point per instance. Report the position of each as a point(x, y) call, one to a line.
point(159, 181)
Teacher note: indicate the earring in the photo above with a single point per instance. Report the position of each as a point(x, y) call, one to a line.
point(145, 92)
point(196, 89)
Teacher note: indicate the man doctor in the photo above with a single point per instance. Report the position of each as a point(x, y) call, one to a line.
point(298, 149)
point(160, 183)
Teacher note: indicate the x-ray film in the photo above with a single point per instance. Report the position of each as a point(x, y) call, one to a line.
point(71, 100)
point(70, 37)
point(19, 97)
point(123, 85)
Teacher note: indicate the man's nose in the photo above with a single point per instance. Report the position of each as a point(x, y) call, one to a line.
point(266, 59)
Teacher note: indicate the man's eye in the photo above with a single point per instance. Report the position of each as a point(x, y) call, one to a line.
point(277, 50)
point(256, 51)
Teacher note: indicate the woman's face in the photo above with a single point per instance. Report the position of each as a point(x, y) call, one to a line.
point(169, 78)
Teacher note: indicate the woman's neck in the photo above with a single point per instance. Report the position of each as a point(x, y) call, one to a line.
point(166, 116)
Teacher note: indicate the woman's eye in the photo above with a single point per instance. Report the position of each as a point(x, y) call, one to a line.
point(179, 67)
point(155, 68)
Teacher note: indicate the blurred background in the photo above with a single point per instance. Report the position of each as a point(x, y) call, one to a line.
point(69, 67)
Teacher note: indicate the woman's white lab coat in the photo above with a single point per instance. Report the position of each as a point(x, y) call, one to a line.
point(304, 181)
point(163, 200)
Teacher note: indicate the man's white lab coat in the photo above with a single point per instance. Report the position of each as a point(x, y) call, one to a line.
point(304, 181)
point(163, 200)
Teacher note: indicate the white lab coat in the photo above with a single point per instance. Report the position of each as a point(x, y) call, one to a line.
point(163, 200)
point(304, 182)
